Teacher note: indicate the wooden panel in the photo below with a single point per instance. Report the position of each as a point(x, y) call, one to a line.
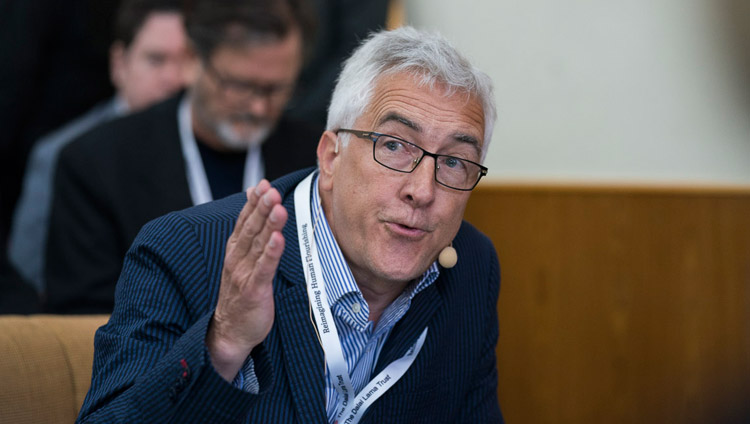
point(621, 305)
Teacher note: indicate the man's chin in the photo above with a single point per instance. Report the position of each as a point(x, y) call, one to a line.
point(400, 273)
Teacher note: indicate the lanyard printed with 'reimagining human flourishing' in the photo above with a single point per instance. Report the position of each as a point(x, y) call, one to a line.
point(351, 406)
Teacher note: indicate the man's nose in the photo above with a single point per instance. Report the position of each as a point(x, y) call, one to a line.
point(420, 186)
point(259, 104)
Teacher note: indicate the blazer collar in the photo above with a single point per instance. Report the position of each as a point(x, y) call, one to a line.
point(303, 357)
point(290, 265)
point(302, 354)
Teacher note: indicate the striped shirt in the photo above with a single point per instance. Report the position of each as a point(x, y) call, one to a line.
point(360, 342)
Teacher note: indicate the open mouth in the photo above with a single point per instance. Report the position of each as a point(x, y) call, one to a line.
point(406, 231)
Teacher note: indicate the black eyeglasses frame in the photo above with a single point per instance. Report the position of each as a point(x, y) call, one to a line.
point(374, 136)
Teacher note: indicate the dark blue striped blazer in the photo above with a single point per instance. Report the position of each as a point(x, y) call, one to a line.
point(151, 363)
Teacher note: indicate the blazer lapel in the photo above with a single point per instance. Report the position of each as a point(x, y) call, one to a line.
point(303, 357)
point(304, 362)
point(407, 330)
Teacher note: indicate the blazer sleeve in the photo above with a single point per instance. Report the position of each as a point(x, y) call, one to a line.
point(82, 259)
point(151, 364)
point(481, 403)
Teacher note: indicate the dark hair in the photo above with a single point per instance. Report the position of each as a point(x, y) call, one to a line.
point(212, 23)
point(132, 14)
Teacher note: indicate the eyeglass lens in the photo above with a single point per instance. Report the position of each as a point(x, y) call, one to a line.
point(403, 156)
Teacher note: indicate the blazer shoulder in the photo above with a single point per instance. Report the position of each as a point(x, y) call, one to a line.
point(476, 252)
point(469, 234)
point(226, 209)
point(288, 182)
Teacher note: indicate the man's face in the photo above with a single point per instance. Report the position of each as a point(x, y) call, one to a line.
point(391, 226)
point(155, 65)
point(242, 90)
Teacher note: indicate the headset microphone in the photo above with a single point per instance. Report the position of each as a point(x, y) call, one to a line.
point(448, 257)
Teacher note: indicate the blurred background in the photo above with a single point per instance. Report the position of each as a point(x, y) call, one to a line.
point(618, 199)
point(619, 90)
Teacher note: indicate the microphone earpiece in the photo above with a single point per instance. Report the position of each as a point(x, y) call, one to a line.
point(448, 257)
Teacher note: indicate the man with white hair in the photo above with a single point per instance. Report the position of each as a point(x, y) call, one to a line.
point(352, 292)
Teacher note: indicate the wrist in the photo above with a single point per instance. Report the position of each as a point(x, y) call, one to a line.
point(226, 356)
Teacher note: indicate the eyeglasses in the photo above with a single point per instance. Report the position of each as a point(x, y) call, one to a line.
point(402, 156)
point(247, 89)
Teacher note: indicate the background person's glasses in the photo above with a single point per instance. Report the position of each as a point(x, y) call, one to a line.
point(402, 156)
point(248, 89)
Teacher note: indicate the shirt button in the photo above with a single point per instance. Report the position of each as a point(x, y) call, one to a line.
point(356, 307)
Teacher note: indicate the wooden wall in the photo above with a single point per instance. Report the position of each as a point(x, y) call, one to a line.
point(621, 304)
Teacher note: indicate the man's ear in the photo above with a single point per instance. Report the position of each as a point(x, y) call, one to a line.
point(328, 151)
point(117, 64)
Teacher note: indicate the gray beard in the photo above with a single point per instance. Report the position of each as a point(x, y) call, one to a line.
point(233, 141)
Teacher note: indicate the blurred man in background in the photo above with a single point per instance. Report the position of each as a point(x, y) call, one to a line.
point(148, 62)
point(224, 134)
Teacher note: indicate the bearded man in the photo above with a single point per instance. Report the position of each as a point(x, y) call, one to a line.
point(224, 134)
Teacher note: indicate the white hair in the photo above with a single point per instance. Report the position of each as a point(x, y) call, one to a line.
point(428, 56)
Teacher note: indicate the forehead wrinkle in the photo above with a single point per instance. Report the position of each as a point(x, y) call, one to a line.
point(392, 103)
point(393, 116)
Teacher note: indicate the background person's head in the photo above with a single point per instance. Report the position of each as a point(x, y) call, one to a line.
point(427, 56)
point(250, 54)
point(149, 57)
point(391, 206)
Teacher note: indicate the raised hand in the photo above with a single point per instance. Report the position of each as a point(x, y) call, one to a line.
point(245, 309)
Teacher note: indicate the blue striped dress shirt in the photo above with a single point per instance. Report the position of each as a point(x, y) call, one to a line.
point(360, 342)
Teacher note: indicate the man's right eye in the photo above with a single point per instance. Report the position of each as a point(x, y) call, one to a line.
point(392, 145)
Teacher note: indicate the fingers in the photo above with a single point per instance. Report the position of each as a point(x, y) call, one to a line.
point(261, 216)
point(266, 266)
point(258, 216)
point(264, 242)
point(252, 194)
point(267, 217)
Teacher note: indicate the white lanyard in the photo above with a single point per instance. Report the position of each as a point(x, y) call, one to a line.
point(351, 407)
point(200, 190)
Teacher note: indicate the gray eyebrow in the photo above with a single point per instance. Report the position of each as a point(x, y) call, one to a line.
point(396, 117)
point(466, 138)
point(461, 137)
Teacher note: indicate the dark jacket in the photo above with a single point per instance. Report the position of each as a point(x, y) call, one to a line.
point(151, 363)
point(116, 178)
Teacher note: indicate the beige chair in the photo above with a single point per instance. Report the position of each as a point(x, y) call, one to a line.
point(45, 366)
